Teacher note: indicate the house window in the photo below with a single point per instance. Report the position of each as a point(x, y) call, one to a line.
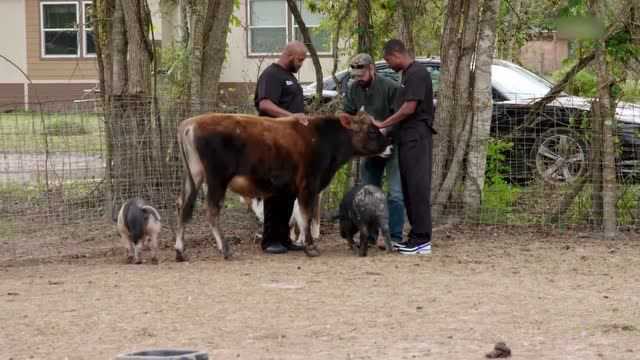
point(321, 39)
point(66, 29)
point(271, 26)
point(89, 40)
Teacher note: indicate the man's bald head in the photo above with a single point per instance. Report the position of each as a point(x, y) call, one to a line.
point(293, 56)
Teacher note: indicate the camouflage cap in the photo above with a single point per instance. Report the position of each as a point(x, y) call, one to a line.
point(359, 64)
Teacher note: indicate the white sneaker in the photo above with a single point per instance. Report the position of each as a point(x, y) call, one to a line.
point(421, 249)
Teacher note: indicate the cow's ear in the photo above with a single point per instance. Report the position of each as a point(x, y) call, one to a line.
point(346, 120)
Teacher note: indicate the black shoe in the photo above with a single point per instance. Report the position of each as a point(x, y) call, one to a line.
point(276, 248)
point(293, 247)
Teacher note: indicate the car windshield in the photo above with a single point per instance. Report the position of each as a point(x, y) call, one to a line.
point(516, 83)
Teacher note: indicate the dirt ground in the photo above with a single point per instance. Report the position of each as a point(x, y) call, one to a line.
point(65, 293)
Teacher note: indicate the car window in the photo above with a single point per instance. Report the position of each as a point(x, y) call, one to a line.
point(515, 82)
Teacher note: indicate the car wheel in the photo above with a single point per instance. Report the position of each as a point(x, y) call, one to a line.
point(561, 156)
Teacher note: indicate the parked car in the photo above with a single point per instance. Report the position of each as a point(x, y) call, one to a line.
point(555, 146)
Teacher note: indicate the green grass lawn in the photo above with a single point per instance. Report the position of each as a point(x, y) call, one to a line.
point(29, 132)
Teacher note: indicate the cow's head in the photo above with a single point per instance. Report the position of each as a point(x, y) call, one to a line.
point(367, 138)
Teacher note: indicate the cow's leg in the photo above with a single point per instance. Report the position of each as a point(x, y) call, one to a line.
point(315, 220)
point(215, 199)
point(185, 203)
point(307, 208)
point(296, 223)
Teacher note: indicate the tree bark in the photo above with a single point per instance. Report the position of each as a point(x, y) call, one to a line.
point(606, 122)
point(445, 109)
point(293, 7)
point(406, 10)
point(482, 109)
point(364, 27)
point(462, 108)
point(216, 31)
point(334, 43)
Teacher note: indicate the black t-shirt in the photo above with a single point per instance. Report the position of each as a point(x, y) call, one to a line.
point(416, 86)
point(281, 87)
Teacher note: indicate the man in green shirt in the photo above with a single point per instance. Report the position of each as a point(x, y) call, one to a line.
point(377, 95)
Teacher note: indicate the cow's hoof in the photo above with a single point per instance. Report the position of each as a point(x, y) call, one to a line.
point(154, 261)
point(129, 259)
point(180, 256)
point(311, 251)
point(138, 262)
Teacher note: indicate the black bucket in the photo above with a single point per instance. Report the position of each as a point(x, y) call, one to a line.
point(164, 354)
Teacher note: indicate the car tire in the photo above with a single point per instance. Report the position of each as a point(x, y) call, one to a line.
point(560, 156)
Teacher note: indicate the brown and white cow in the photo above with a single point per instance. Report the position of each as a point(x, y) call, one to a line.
point(254, 155)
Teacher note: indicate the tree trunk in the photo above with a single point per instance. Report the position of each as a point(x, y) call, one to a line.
point(445, 110)
point(482, 109)
point(293, 7)
point(216, 31)
point(462, 109)
point(209, 22)
point(606, 123)
point(334, 42)
point(406, 15)
point(103, 10)
point(364, 27)
point(197, 11)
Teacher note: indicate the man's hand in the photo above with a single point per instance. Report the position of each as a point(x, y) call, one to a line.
point(302, 118)
point(378, 124)
point(387, 152)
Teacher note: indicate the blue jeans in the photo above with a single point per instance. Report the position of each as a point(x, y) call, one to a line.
point(372, 170)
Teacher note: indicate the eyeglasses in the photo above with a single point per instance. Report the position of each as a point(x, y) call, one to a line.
point(357, 66)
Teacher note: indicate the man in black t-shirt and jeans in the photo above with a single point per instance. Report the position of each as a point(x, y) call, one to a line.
point(413, 138)
point(278, 94)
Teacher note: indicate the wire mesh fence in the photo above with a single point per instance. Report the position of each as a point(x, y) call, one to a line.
point(63, 163)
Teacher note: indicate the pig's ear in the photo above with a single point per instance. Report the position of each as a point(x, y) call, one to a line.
point(346, 120)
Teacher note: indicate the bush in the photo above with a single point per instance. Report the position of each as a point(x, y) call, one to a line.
point(498, 195)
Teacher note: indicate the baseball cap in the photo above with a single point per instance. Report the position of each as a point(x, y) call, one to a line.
point(359, 64)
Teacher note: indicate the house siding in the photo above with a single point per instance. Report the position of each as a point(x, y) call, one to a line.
point(50, 68)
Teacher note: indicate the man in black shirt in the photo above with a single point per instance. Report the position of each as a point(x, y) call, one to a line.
point(278, 94)
point(413, 137)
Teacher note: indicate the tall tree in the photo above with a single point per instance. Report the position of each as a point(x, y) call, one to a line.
point(209, 22)
point(603, 128)
point(309, 44)
point(482, 110)
point(364, 29)
point(406, 10)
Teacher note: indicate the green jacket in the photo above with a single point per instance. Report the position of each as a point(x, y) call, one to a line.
point(378, 99)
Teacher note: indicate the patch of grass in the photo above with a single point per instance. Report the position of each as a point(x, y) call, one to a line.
point(31, 132)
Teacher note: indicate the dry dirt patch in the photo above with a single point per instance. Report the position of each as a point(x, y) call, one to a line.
point(546, 295)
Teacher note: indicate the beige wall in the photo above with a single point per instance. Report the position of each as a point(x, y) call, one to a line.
point(238, 67)
point(544, 55)
point(13, 44)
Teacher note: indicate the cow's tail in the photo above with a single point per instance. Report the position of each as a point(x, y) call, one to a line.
point(189, 192)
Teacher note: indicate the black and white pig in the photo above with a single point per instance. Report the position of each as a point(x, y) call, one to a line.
point(139, 225)
point(364, 209)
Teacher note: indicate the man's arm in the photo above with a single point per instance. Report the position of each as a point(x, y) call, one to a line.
point(407, 108)
point(267, 106)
